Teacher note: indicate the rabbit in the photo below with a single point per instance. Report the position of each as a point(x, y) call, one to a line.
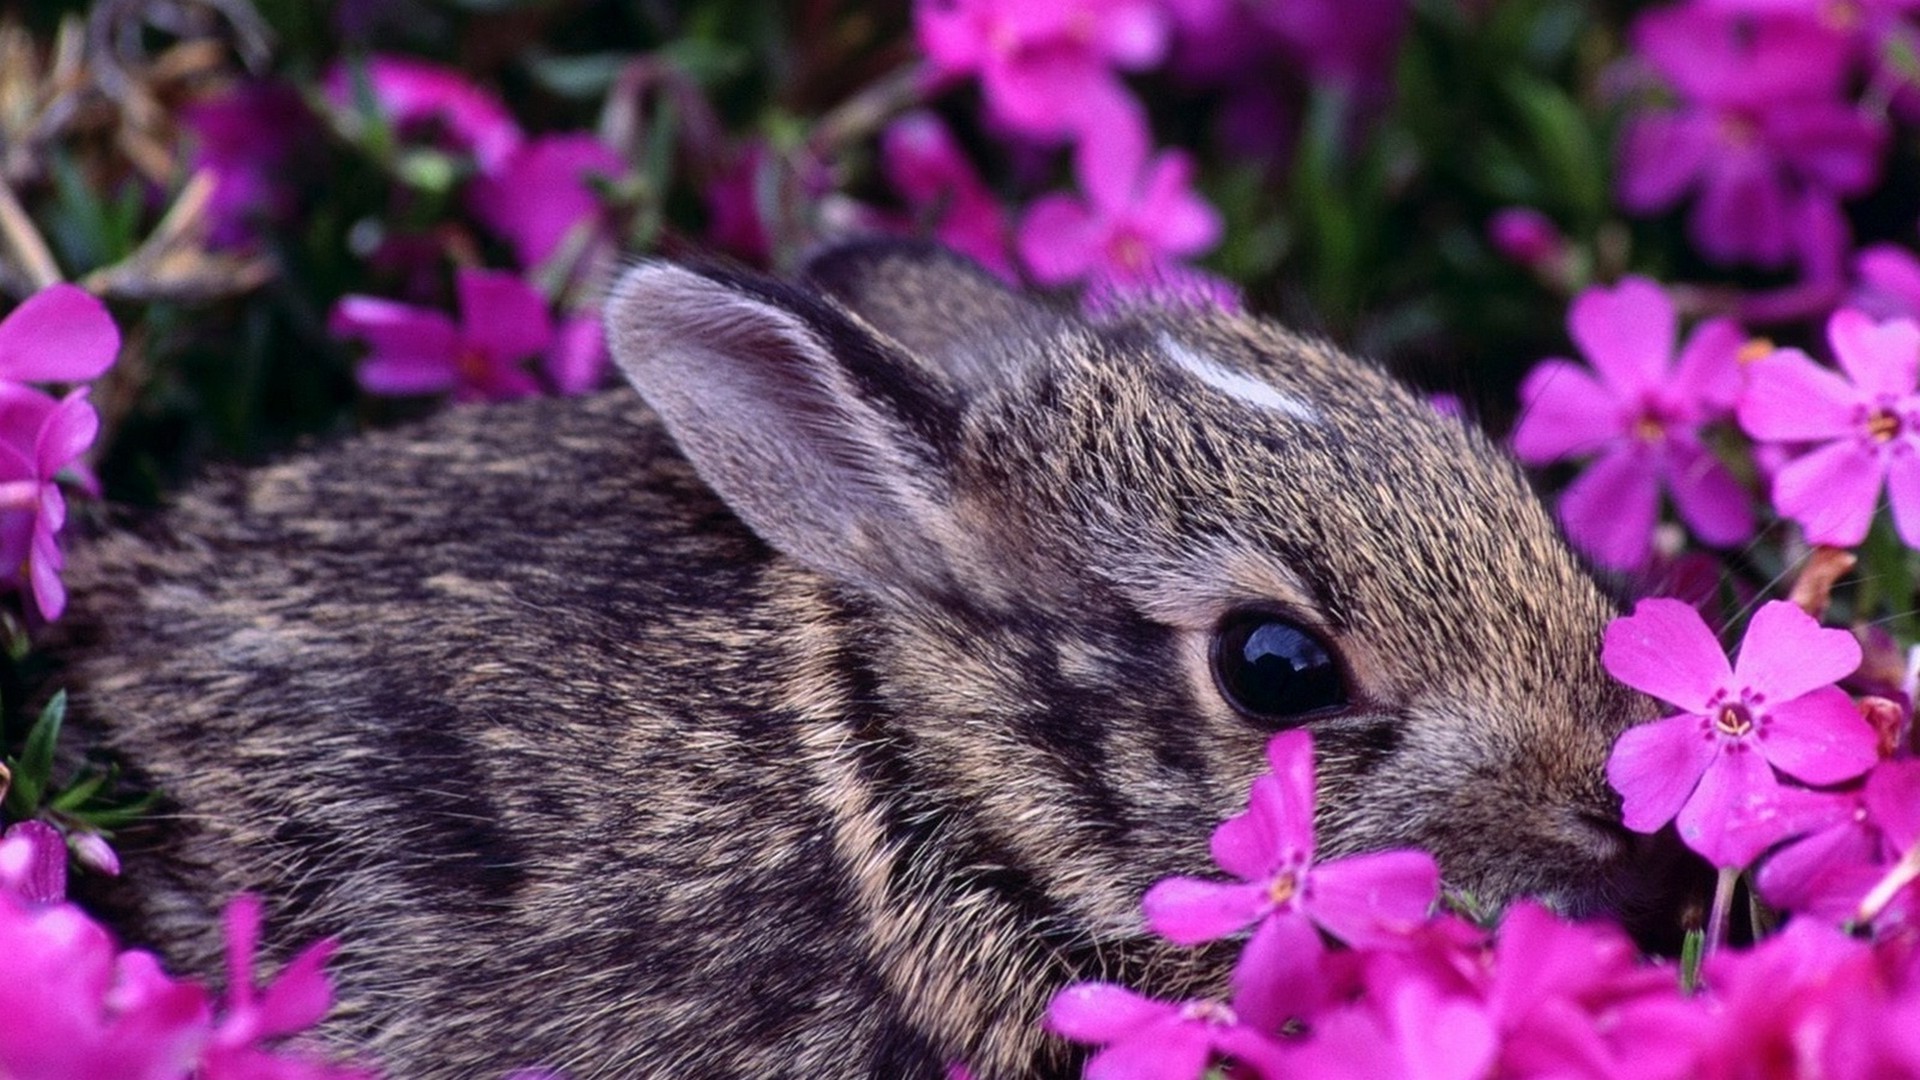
point(824, 707)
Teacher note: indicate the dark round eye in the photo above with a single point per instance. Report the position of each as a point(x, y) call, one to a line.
point(1270, 668)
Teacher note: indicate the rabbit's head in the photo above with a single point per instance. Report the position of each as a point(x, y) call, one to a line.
point(1097, 564)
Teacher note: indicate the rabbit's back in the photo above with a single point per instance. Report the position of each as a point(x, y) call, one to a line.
point(476, 696)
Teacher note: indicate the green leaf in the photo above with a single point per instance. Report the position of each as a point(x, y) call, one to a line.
point(1565, 143)
point(1693, 949)
point(33, 769)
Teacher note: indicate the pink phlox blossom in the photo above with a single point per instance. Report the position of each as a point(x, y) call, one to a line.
point(1527, 237)
point(424, 99)
point(545, 192)
point(1761, 129)
point(74, 1007)
point(1572, 999)
point(1364, 900)
point(1139, 213)
point(1414, 1032)
point(1638, 411)
point(1144, 1039)
point(1785, 1007)
point(1711, 766)
point(1045, 69)
point(926, 165)
point(249, 138)
point(1886, 282)
point(40, 438)
point(1862, 426)
point(503, 324)
point(293, 1001)
point(33, 862)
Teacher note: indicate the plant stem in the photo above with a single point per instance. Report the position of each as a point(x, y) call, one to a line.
point(1722, 904)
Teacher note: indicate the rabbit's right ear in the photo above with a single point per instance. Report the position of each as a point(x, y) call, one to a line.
point(823, 438)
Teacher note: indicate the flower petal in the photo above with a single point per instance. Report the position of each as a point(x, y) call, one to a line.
point(1368, 900)
point(1893, 800)
point(1626, 332)
point(1611, 509)
point(1278, 975)
point(1564, 411)
point(1725, 819)
point(502, 316)
point(1819, 738)
point(1100, 1013)
point(1708, 498)
point(1831, 492)
point(1708, 371)
point(1166, 1051)
point(1656, 767)
point(1059, 239)
point(1188, 911)
point(1789, 398)
point(1665, 649)
point(59, 334)
point(1880, 357)
point(1787, 653)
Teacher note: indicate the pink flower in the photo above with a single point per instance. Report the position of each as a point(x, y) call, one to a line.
point(503, 324)
point(1163, 1040)
point(295, 1000)
point(420, 98)
point(1762, 129)
point(1415, 1033)
point(1138, 214)
point(1712, 765)
point(1364, 900)
point(1046, 69)
point(1527, 237)
point(59, 334)
point(1888, 282)
point(927, 166)
point(35, 862)
point(40, 438)
point(249, 138)
point(1864, 423)
point(1642, 417)
point(544, 192)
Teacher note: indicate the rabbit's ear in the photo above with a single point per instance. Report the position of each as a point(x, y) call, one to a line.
point(826, 440)
point(946, 309)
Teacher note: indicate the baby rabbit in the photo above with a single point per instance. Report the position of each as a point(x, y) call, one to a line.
point(823, 708)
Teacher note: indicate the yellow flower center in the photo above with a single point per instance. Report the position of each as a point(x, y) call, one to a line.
point(1283, 887)
point(1883, 425)
point(1733, 721)
point(1758, 348)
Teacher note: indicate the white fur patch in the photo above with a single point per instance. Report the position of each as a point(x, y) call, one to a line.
point(1233, 384)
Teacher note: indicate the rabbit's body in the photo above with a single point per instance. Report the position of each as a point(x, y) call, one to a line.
point(838, 750)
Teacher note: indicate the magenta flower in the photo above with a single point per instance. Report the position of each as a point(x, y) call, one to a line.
point(1145, 1038)
point(1527, 237)
point(439, 104)
point(40, 439)
point(1641, 419)
point(1762, 129)
point(1364, 900)
point(1863, 422)
point(1046, 70)
point(544, 192)
point(926, 165)
point(295, 1000)
point(59, 334)
point(1887, 282)
point(1138, 216)
point(1712, 764)
point(503, 324)
point(36, 862)
point(1416, 1032)
point(249, 138)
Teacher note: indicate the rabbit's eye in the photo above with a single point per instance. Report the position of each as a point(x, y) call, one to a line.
point(1272, 669)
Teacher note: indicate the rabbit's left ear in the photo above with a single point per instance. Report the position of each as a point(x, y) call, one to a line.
point(947, 310)
point(826, 440)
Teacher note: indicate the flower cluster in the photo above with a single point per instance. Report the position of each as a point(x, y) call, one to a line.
point(77, 1006)
point(59, 335)
point(1410, 991)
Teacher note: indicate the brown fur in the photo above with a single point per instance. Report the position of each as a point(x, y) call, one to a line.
point(844, 769)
